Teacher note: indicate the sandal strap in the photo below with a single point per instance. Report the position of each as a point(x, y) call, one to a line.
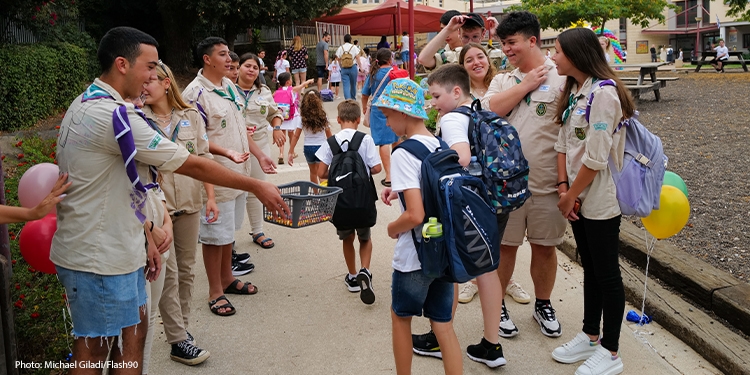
point(219, 298)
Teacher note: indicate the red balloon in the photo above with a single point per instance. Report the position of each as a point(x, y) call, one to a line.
point(35, 243)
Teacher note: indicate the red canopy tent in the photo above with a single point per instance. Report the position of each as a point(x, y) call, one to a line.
point(389, 18)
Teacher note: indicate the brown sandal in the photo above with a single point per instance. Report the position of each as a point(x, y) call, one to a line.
point(232, 288)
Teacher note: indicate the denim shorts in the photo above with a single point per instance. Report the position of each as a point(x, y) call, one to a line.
point(405, 59)
point(301, 70)
point(321, 71)
point(309, 152)
point(102, 305)
point(221, 231)
point(413, 292)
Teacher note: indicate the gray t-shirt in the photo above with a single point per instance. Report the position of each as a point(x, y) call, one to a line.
point(319, 52)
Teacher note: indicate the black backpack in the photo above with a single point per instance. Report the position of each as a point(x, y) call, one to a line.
point(355, 206)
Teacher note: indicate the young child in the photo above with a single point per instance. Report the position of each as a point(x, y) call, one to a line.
point(287, 98)
point(334, 76)
point(449, 87)
point(315, 125)
point(281, 65)
point(348, 118)
point(585, 145)
point(402, 103)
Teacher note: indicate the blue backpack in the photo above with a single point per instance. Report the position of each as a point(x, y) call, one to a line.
point(470, 244)
point(639, 181)
point(497, 147)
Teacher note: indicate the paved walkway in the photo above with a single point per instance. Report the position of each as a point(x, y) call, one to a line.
point(304, 321)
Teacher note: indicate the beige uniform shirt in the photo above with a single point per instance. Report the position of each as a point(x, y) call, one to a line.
point(226, 126)
point(533, 118)
point(447, 56)
point(181, 192)
point(592, 143)
point(259, 110)
point(97, 230)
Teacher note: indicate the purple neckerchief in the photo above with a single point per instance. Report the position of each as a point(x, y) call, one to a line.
point(200, 107)
point(124, 137)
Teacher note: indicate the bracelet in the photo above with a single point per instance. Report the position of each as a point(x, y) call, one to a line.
point(152, 227)
point(562, 182)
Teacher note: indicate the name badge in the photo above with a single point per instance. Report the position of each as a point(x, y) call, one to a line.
point(185, 123)
point(544, 88)
point(580, 111)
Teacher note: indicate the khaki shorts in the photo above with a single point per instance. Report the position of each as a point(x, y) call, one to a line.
point(221, 232)
point(539, 220)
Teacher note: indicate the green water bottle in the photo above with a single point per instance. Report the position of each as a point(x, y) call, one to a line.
point(433, 228)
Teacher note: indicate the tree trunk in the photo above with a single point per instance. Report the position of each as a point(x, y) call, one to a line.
point(601, 30)
point(178, 30)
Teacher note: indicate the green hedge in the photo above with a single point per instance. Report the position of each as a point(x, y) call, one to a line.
point(38, 80)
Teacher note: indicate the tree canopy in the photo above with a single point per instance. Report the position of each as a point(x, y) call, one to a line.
point(738, 8)
point(561, 14)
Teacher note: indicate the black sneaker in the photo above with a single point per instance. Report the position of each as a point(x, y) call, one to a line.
point(187, 353)
point(488, 353)
point(239, 258)
point(544, 314)
point(190, 338)
point(507, 329)
point(351, 283)
point(426, 344)
point(364, 279)
point(239, 269)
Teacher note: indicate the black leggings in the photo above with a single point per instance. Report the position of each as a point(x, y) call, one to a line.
point(603, 294)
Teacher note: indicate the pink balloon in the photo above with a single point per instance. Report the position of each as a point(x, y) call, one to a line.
point(37, 183)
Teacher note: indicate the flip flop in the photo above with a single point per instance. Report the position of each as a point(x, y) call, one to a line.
point(232, 288)
point(264, 243)
point(215, 308)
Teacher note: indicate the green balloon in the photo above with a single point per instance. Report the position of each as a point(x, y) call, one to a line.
point(672, 179)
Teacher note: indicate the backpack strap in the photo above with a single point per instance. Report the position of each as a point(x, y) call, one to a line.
point(418, 149)
point(334, 145)
point(606, 82)
point(356, 141)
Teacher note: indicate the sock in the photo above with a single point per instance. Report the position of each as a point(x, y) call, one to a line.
point(542, 302)
point(487, 345)
point(352, 276)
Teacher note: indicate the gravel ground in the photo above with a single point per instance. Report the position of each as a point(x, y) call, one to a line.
point(702, 120)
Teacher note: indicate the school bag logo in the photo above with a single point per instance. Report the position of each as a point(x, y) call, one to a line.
point(639, 181)
point(347, 60)
point(355, 206)
point(470, 244)
point(284, 98)
point(497, 147)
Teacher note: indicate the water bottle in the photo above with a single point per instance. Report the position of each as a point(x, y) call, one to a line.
point(433, 228)
point(474, 168)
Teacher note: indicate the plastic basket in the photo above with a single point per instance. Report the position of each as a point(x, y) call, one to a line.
point(310, 204)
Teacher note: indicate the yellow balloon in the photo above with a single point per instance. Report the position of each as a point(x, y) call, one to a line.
point(672, 215)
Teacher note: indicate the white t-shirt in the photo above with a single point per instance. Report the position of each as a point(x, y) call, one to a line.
point(404, 44)
point(722, 50)
point(406, 173)
point(335, 70)
point(281, 67)
point(367, 149)
point(454, 128)
point(312, 139)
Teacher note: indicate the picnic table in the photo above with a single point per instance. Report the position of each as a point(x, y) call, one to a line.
point(740, 60)
point(646, 80)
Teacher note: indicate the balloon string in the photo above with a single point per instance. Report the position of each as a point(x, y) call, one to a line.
point(650, 244)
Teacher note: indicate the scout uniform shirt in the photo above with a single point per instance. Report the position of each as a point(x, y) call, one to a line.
point(534, 119)
point(447, 56)
point(259, 109)
point(183, 193)
point(223, 106)
point(97, 229)
point(591, 143)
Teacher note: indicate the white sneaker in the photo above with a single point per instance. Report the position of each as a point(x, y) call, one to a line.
point(545, 316)
point(507, 329)
point(466, 292)
point(575, 350)
point(602, 362)
point(519, 295)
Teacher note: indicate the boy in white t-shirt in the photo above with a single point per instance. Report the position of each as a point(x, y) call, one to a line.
point(412, 293)
point(449, 87)
point(334, 76)
point(348, 118)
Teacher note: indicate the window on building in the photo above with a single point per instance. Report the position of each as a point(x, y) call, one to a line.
point(745, 40)
point(355, 1)
point(440, 3)
point(623, 29)
point(688, 18)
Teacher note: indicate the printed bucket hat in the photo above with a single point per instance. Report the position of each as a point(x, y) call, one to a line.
point(403, 95)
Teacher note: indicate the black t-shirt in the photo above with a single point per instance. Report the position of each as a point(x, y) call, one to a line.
point(653, 50)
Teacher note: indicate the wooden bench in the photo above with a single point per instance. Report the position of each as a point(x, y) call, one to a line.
point(636, 90)
point(662, 80)
point(738, 54)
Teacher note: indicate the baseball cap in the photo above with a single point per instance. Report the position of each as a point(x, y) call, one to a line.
point(405, 96)
point(473, 19)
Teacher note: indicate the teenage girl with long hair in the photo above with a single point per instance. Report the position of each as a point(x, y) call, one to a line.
point(298, 56)
point(584, 147)
point(317, 130)
point(374, 86)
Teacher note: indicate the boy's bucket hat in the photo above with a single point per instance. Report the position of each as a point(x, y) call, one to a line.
point(403, 95)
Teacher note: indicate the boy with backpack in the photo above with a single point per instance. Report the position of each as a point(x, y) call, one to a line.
point(413, 292)
point(449, 87)
point(349, 159)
